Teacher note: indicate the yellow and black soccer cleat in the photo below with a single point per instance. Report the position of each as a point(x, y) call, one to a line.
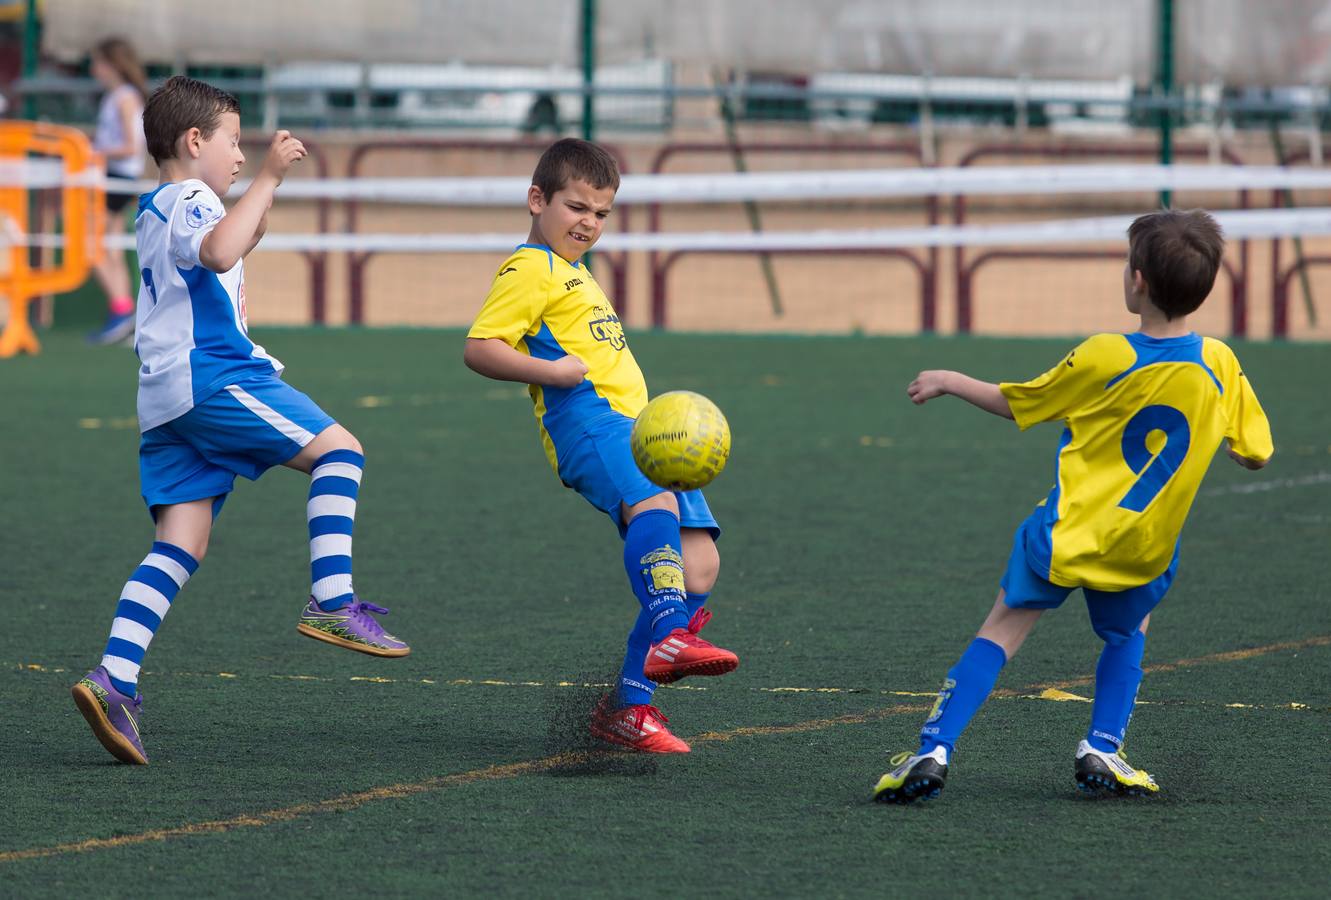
point(1110, 773)
point(917, 777)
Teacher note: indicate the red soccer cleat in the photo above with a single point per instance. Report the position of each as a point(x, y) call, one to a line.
point(639, 727)
point(682, 653)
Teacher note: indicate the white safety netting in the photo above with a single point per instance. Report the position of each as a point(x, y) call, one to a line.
point(1242, 42)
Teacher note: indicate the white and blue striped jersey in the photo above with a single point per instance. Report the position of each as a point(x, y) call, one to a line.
point(192, 337)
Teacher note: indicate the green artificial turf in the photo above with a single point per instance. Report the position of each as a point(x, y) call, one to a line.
point(863, 543)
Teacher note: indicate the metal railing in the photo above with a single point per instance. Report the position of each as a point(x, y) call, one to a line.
point(965, 268)
point(926, 267)
point(357, 262)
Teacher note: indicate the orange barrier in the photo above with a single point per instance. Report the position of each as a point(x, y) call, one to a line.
point(82, 213)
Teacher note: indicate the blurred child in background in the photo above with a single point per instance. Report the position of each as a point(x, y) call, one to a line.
point(119, 138)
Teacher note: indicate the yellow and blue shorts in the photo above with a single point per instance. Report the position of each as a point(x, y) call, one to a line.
point(597, 462)
point(1115, 615)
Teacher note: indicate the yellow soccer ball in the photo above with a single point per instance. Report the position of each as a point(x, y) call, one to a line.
point(681, 441)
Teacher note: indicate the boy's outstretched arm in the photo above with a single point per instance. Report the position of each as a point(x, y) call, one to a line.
point(259, 232)
point(493, 358)
point(241, 228)
point(1246, 462)
point(937, 382)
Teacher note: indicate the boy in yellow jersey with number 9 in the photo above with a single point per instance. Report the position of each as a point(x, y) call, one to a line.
point(1144, 414)
point(547, 323)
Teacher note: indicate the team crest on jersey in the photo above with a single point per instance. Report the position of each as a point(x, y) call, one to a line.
point(606, 327)
point(663, 571)
point(199, 213)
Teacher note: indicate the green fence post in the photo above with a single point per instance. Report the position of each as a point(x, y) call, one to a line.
point(588, 67)
point(1165, 88)
point(30, 49)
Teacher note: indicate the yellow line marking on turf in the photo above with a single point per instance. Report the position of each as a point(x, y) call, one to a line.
point(1323, 640)
point(537, 766)
point(379, 679)
point(871, 715)
point(812, 690)
point(377, 401)
point(1045, 693)
point(119, 424)
point(288, 813)
point(1048, 691)
point(429, 785)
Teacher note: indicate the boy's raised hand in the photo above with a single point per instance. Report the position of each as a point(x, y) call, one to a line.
point(282, 152)
point(928, 385)
point(567, 372)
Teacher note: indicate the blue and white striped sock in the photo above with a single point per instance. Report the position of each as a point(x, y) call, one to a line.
point(143, 604)
point(331, 510)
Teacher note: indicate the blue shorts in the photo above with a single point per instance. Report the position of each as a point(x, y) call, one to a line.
point(244, 429)
point(599, 465)
point(1115, 615)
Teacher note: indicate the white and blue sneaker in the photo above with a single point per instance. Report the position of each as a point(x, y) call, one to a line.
point(1110, 773)
point(918, 777)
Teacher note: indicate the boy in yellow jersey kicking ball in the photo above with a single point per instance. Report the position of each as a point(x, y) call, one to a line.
point(1144, 414)
point(547, 323)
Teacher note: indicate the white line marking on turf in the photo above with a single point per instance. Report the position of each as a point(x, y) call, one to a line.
point(1279, 484)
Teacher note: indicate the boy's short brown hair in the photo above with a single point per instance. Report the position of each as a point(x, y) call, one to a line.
point(179, 105)
point(1178, 253)
point(569, 159)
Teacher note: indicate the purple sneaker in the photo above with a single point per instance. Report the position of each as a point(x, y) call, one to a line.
point(113, 716)
point(352, 627)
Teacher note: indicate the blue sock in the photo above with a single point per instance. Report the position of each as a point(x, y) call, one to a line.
point(695, 602)
point(967, 687)
point(634, 688)
point(655, 564)
point(1117, 677)
point(143, 604)
point(331, 510)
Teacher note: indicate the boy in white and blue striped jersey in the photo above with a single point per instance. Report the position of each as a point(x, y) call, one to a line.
point(212, 404)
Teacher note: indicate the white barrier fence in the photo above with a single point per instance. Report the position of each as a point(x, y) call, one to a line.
point(1237, 225)
point(731, 187)
point(849, 184)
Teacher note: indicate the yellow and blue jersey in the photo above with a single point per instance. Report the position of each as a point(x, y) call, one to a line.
point(1144, 417)
point(543, 305)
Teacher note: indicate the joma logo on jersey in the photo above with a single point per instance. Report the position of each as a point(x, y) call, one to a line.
point(606, 327)
point(572, 283)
